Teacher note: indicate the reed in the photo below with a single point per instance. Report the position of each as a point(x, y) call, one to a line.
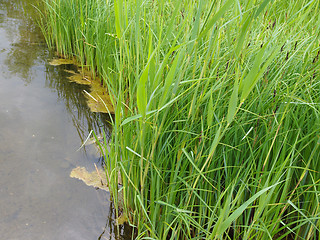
point(216, 124)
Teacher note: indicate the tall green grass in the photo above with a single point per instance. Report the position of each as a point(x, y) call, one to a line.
point(216, 124)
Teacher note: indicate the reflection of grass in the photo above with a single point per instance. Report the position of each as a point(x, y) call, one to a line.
point(216, 111)
point(72, 95)
point(27, 41)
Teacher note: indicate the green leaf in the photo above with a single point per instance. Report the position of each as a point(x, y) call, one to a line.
point(245, 28)
point(251, 78)
point(233, 102)
point(210, 111)
point(141, 92)
point(262, 6)
point(257, 71)
point(169, 80)
point(118, 17)
point(206, 27)
point(227, 223)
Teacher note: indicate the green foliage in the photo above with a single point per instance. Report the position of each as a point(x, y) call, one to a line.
point(216, 125)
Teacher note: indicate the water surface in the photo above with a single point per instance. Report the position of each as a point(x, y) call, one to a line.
point(43, 121)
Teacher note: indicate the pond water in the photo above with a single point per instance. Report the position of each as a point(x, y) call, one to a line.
point(43, 121)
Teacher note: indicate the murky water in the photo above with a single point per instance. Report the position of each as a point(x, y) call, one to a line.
point(43, 121)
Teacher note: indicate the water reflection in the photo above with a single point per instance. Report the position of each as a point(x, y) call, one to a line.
point(43, 121)
point(26, 40)
point(28, 50)
point(73, 96)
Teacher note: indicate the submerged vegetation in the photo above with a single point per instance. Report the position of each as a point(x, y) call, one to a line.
point(216, 111)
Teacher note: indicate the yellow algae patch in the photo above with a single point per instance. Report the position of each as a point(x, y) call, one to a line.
point(95, 179)
point(78, 78)
point(60, 61)
point(121, 220)
point(98, 100)
point(70, 71)
point(100, 103)
point(86, 72)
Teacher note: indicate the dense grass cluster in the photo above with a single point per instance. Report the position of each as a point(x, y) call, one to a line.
point(216, 124)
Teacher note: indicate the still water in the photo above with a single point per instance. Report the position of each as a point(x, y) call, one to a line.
point(43, 121)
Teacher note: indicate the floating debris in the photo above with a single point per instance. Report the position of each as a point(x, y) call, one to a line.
point(93, 140)
point(98, 100)
point(95, 179)
point(102, 104)
point(70, 71)
point(85, 72)
point(121, 220)
point(60, 61)
point(78, 78)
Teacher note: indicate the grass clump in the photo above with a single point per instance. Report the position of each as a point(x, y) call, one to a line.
point(216, 119)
